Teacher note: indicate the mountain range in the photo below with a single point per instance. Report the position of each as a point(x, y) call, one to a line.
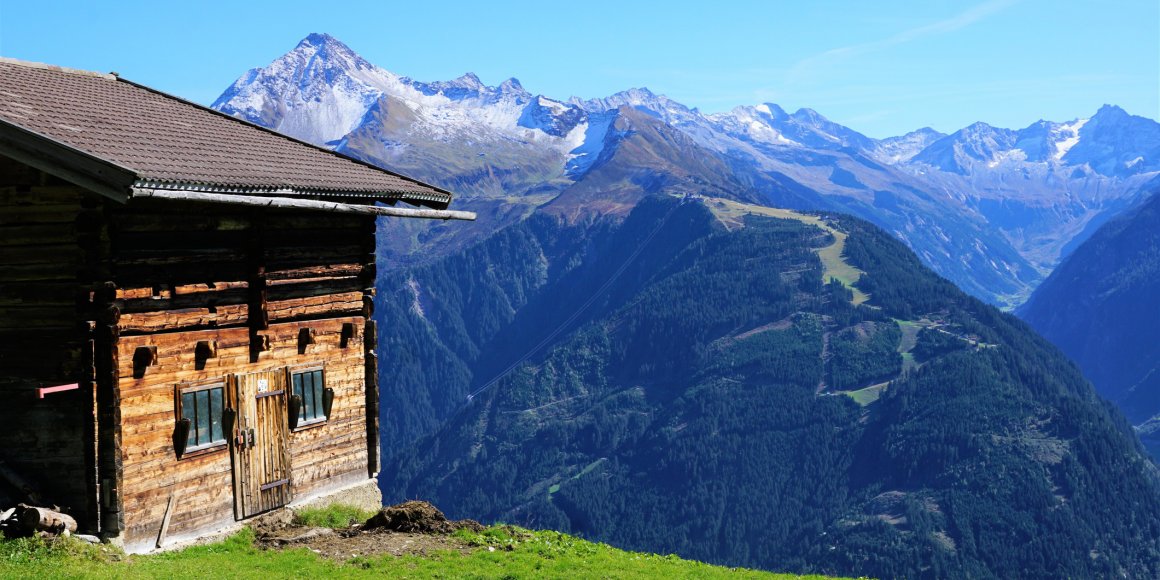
point(639, 343)
point(684, 381)
point(992, 209)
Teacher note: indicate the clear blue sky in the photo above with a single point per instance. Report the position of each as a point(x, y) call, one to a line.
point(882, 68)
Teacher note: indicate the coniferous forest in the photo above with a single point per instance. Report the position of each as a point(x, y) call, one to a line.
point(678, 383)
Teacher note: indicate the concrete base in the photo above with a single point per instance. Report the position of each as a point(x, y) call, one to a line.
point(363, 494)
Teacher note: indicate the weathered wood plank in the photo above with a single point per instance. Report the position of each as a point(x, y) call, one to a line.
point(332, 304)
point(39, 294)
point(176, 300)
point(165, 519)
point(314, 271)
point(183, 318)
point(35, 192)
point(64, 270)
point(37, 234)
point(312, 287)
point(61, 213)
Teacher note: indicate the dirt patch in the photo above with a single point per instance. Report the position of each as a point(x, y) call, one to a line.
point(417, 516)
point(414, 527)
point(343, 545)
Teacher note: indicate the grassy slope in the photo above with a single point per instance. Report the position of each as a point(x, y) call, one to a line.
point(831, 256)
point(503, 552)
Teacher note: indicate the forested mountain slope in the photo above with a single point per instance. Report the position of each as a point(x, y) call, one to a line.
point(685, 381)
point(1102, 308)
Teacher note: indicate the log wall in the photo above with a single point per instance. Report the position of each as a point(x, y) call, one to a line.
point(86, 282)
point(48, 233)
point(248, 283)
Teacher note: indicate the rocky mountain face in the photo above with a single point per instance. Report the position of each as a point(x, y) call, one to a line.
point(992, 209)
point(1102, 308)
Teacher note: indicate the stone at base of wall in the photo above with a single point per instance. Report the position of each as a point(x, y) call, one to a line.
point(362, 493)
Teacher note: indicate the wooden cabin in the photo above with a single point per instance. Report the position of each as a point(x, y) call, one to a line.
point(185, 309)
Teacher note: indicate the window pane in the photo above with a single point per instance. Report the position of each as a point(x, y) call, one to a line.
point(319, 412)
point(215, 415)
point(307, 396)
point(202, 398)
point(309, 386)
point(189, 411)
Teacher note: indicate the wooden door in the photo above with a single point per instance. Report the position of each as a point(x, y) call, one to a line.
point(261, 445)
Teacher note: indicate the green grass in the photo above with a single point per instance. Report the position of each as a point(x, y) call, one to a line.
point(833, 265)
point(910, 330)
point(867, 395)
point(501, 552)
point(908, 362)
point(334, 516)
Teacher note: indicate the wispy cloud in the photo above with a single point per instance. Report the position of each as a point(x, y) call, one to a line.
point(956, 22)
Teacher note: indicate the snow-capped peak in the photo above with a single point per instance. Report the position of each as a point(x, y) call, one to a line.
point(771, 109)
point(894, 150)
point(316, 92)
point(641, 98)
point(468, 81)
point(512, 85)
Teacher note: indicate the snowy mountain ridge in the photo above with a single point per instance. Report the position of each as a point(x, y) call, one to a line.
point(993, 209)
point(321, 90)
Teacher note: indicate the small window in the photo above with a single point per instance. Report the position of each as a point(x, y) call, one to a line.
point(308, 385)
point(204, 407)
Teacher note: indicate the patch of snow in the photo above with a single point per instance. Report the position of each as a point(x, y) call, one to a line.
point(581, 158)
point(416, 301)
point(1006, 157)
point(1068, 136)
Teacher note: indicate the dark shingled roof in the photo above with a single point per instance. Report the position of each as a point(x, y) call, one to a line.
point(162, 142)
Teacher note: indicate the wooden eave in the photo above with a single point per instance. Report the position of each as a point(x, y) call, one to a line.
point(122, 184)
point(66, 162)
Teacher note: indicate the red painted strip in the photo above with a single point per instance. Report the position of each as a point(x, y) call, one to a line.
point(42, 391)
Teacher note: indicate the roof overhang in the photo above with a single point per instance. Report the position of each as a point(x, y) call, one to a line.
point(119, 183)
point(294, 203)
point(433, 199)
point(67, 163)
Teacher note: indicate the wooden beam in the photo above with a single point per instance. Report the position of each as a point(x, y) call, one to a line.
point(165, 519)
point(110, 455)
point(371, 391)
point(307, 204)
